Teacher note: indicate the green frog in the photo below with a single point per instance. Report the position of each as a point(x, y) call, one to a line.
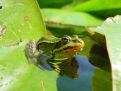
point(53, 48)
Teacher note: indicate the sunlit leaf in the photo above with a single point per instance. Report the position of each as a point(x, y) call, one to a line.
point(69, 17)
point(112, 31)
point(111, 28)
point(21, 21)
point(18, 22)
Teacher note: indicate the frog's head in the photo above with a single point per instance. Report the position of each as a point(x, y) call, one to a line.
point(54, 48)
point(67, 47)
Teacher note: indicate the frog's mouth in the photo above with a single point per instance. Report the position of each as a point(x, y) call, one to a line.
point(71, 47)
point(68, 51)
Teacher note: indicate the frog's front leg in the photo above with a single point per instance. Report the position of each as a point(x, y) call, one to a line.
point(42, 62)
point(31, 52)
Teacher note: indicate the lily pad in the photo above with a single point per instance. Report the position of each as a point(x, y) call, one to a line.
point(18, 22)
point(112, 31)
point(21, 21)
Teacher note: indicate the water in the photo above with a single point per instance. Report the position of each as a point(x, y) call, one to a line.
point(84, 80)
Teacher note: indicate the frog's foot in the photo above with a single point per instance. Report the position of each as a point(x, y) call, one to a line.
point(31, 52)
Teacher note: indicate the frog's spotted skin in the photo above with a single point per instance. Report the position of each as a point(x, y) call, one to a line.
point(56, 49)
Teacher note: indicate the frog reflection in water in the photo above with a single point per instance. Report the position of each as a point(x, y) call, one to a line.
point(58, 51)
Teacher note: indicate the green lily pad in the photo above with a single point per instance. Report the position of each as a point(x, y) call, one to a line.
point(17, 74)
point(112, 31)
point(21, 21)
point(18, 22)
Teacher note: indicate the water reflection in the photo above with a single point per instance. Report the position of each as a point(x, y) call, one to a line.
point(98, 56)
point(74, 75)
point(78, 74)
point(84, 80)
point(67, 68)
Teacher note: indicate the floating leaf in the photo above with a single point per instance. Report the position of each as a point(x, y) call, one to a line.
point(18, 26)
point(112, 31)
point(21, 21)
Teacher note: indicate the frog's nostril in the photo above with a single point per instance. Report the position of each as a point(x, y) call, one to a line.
point(82, 42)
point(81, 49)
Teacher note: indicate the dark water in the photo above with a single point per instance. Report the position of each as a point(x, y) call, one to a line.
point(84, 80)
point(79, 74)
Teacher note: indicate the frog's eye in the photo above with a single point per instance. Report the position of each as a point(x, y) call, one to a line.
point(66, 39)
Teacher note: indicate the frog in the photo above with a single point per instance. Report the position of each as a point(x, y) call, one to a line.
point(53, 48)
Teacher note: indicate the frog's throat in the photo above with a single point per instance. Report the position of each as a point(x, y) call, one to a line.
point(70, 45)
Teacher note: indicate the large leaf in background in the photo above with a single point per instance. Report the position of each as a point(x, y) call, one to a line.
point(98, 5)
point(101, 8)
point(20, 21)
point(112, 31)
point(70, 18)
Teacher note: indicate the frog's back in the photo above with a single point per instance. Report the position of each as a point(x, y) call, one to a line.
point(47, 44)
point(48, 39)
